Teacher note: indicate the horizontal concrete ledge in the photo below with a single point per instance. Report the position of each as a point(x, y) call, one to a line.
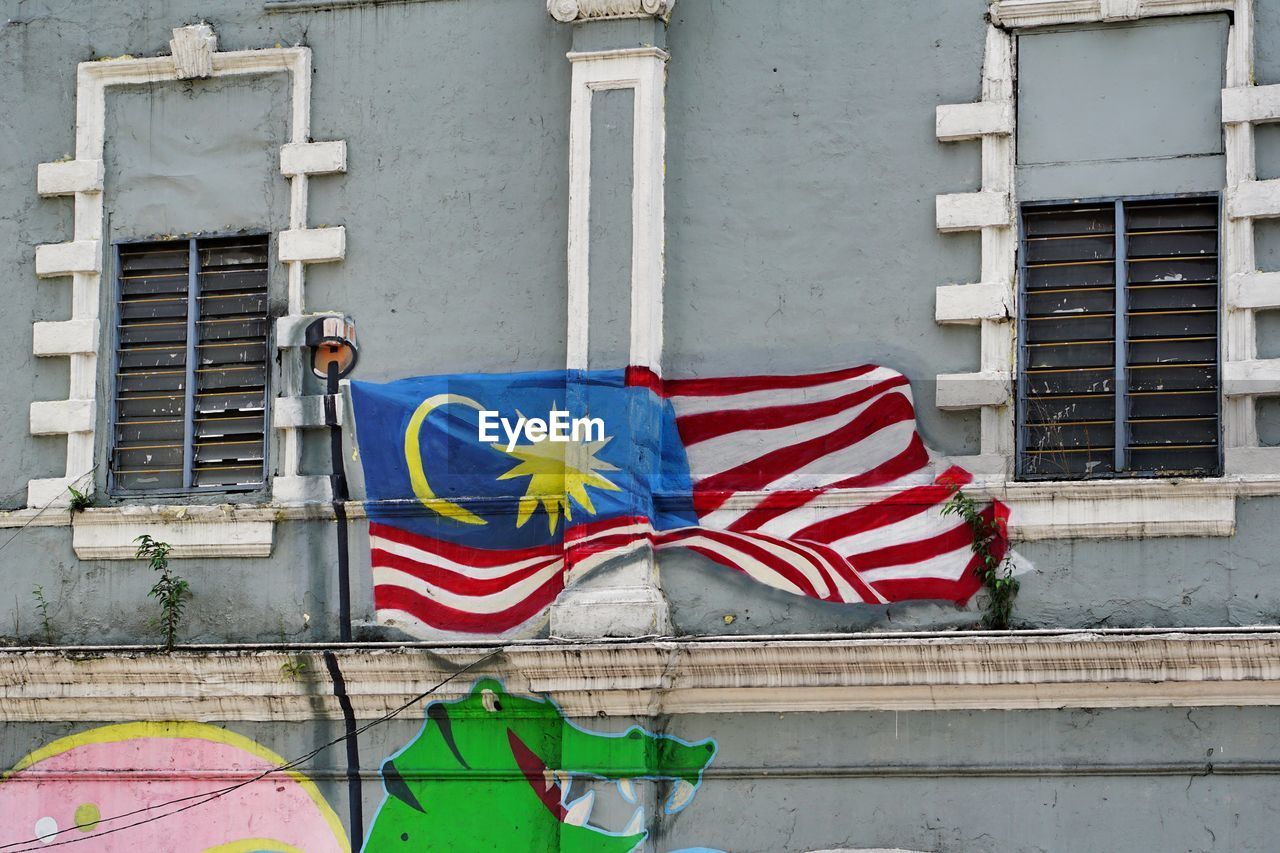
point(972, 211)
point(1248, 104)
point(302, 412)
point(973, 303)
point(111, 533)
point(1254, 200)
point(58, 417)
point(1045, 13)
point(64, 337)
point(313, 158)
point(1253, 290)
point(55, 259)
point(1023, 670)
point(1259, 377)
point(957, 391)
point(956, 122)
point(313, 245)
point(69, 177)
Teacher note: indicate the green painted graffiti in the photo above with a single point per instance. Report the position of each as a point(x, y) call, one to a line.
point(491, 771)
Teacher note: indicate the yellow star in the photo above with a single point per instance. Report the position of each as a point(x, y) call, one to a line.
point(558, 471)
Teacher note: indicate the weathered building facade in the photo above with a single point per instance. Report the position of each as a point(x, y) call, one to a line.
point(868, 297)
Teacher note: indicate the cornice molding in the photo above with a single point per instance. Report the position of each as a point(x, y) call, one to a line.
point(577, 11)
point(873, 673)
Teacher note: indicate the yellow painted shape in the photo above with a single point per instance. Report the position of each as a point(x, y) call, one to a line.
point(254, 845)
point(413, 457)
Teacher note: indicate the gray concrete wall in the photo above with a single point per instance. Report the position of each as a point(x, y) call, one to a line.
point(950, 782)
point(801, 174)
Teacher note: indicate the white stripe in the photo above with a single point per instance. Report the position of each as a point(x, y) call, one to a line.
point(414, 626)
point(430, 558)
point(587, 564)
point(749, 442)
point(750, 565)
point(634, 529)
point(787, 552)
point(923, 525)
point(949, 566)
point(492, 603)
point(695, 404)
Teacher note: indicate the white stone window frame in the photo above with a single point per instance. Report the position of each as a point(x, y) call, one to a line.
point(200, 532)
point(1110, 508)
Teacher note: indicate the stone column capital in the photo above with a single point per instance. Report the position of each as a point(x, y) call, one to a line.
point(574, 11)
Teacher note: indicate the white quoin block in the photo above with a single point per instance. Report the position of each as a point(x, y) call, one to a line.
point(300, 490)
point(1254, 199)
point(971, 211)
point(51, 492)
point(58, 417)
point(1254, 290)
point(969, 121)
point(64, 337)
point(1243, 104)
point(54, 259)
point(313, 245)
point(972, 303)
point(1259, 377)
point(301, 412)
point(1120, 10)
point(313, 158)
point(291, 329)
point(973, 390)
point(67, 178)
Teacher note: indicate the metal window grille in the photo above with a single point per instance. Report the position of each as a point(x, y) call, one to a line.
point(1118, 339)
point(191, 366)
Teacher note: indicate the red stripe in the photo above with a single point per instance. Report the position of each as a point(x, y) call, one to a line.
point(591, 528)
point(643, 377)
point(846, 571)
point(914, 552)
point(708, 425)
point(740, 543)
point(452, 581)
point(892, 509)
point(487, 558)
point(725, 386)
point(780, 503)
point(442, 617)
point(962, 589)
point(710, 492)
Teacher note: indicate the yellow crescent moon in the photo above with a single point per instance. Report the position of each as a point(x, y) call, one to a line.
point(413, 456)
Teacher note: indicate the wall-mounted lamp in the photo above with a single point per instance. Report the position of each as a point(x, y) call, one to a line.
point(332, 341)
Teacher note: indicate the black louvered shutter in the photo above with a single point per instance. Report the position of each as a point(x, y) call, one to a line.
point(1118, 339)
point(192, 366)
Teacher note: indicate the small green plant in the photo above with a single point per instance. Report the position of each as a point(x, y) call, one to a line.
point(80, 501)
point(42, 607)
point(996, 572)
point(171, 591)
point(293, 669)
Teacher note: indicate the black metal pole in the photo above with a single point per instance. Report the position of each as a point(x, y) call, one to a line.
point(338, 484)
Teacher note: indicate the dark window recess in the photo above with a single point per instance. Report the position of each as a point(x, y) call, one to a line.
point(191, 366)
point(1118, 369)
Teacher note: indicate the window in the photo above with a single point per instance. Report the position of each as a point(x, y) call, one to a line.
point(1118, 352)
point(191, 366)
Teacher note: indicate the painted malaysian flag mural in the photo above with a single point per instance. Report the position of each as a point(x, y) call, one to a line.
point(488, 493)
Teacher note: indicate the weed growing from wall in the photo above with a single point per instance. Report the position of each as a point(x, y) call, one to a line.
point(42, 607)
point(996, 573)
point(171, 590)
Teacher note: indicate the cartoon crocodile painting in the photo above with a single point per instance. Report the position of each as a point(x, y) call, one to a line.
point(493, 771)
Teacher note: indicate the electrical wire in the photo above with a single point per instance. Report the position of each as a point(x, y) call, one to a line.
point(41, 510)
point(209, 796)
